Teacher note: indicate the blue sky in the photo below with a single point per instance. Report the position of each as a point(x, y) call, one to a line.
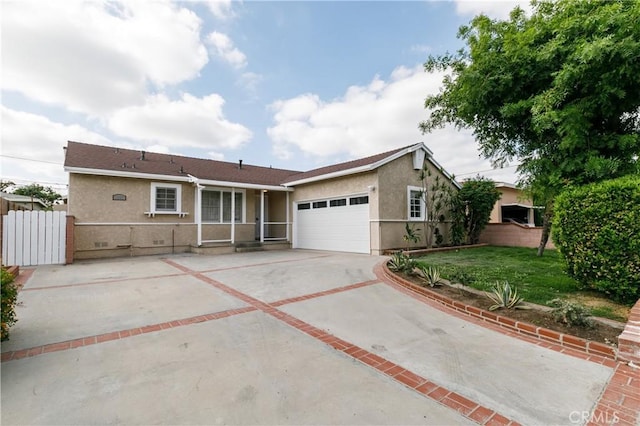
point(294, 85)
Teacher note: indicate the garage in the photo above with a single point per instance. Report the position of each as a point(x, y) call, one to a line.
point(336, 224)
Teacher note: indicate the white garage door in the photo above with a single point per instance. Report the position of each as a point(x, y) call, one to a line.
point(337, 224)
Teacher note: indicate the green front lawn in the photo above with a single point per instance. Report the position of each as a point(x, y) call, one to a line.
point(538, 279)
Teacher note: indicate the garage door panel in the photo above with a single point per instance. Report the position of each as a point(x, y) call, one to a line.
point(343, 228)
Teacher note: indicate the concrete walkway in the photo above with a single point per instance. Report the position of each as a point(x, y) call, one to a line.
point(284, 337)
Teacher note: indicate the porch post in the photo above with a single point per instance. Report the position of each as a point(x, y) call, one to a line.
point(233, 215)
point(199, 212)
point(262, 216)
point(287, 220)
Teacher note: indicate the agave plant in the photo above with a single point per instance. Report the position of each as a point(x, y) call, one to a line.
point(505, 296)
point(396, 263)
point(431, 276)
point(400, 262)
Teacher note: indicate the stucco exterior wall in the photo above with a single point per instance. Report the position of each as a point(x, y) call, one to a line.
point(509, 196)
point(107, 228)
point(90, 200)
point(394, 178)
point(348, 185)
point(100, 241)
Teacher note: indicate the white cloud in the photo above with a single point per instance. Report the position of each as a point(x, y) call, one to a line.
point(93, 57)
point(249, 81)
point(223, 47)
point(497, 9)
point(188, 122)
point(370, 119)
point(216, 156)
point(44, 139)
point(221, 9)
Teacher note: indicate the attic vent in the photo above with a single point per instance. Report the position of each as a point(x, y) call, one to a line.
point(142, 155)
point(181, 169)
point(124, 165)
point(418, 159)
point(171, 160)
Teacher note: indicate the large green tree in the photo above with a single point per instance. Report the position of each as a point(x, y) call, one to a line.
point(556, 90)
point(46, 194)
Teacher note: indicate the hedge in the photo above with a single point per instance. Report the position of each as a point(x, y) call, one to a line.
point(9, 296)
point(597, 230)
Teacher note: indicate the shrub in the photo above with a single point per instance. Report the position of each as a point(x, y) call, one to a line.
point(431, 276)
point(9, 296)
point(505, 296)
point(471, 209)
point(570, 313)
point(400, 262)
point(597, 230)
point(410, 235)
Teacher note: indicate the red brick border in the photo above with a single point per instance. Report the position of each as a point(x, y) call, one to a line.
point(620, 402)
point(629, 340)
point(116, 335)
point(449, 399)
point(573, 343)
point(323, 293)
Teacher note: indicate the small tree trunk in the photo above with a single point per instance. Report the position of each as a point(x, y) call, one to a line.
point(546, 231)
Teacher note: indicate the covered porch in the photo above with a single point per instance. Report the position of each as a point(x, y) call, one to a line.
point(237, 214)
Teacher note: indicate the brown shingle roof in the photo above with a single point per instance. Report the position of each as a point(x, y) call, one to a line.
point(97, 157)
point(344, 166)
point(87, 156)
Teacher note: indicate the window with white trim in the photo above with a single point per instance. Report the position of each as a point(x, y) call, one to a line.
point(166, 198)
point(216, 206)
point(416, 207)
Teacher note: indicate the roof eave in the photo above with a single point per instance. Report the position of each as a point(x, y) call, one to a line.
point(365, 168)
point(332, 175)
point(185, 178)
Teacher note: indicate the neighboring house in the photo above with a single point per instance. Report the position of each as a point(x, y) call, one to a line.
point(512, 221)
point(513, 206)
point(136, 202)
point(19, 202)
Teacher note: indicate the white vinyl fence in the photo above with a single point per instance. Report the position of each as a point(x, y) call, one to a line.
point(33, 238)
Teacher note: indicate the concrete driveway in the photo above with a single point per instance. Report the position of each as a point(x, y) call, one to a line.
point(277, 337)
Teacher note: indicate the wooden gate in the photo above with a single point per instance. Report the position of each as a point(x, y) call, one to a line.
point(33, 238)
